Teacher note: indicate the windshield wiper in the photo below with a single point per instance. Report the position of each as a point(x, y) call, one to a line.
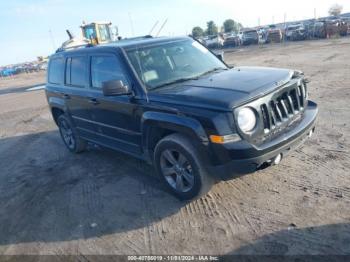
point(180, 80)
point(212, 71)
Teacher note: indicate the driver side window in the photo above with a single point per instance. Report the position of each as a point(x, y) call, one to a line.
point(106, 68)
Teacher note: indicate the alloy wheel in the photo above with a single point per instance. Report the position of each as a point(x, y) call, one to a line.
point(177, 170)
point(67, 134)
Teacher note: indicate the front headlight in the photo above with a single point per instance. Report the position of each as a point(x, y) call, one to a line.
point(246, 119)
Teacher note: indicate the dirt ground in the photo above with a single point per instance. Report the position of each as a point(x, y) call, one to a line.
point(22, 80)
point(103, 202)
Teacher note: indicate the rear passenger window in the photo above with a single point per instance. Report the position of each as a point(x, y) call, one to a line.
point(105, 68)
point(56, 71)
point(78, 71)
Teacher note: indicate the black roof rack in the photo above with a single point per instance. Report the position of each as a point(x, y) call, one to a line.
point(137, 37)
point(91, 45)
point(73, 47)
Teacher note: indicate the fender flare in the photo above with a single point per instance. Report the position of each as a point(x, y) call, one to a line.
point(56, 102)
point(174, 122)
point(59, 103)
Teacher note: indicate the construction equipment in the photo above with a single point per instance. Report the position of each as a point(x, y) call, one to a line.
point(91, 34)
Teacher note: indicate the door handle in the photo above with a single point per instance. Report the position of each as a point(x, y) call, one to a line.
point(66, 96)
point(93, 101)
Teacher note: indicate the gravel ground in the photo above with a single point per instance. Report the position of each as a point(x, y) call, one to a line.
point(103, 202)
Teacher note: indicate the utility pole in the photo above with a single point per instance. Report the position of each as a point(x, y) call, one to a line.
point(315, 13)
point(52, 39)
point(131, 25)
point(285, 27)
point(285, 20)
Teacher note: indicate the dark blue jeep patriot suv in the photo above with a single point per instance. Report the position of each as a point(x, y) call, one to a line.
point(176, 105)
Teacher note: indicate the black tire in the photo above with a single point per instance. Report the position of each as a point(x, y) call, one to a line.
point(177, 145)
point(69, 135)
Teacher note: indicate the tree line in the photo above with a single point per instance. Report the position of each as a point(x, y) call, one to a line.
point(229, 25)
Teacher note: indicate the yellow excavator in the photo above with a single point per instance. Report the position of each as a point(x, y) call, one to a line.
point(97, 33)
point(92, 33)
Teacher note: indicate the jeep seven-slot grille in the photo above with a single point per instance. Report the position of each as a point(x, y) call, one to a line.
point(283, 108)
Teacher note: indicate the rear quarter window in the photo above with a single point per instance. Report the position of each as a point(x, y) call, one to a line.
point(56, 71)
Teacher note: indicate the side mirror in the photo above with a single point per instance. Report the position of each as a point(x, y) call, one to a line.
point(220, 56)
point(114, 88)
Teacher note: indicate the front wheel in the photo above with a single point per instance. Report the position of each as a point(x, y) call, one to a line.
point(180, 168)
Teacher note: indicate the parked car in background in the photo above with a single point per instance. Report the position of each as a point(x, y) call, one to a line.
point(344, 28)
point(320, 29)
point(43, 66)
point(347, 23)
point(262, 31)
point(214, 41)
point(333, 27)
point(274, 35)
point(7, 71)
point(295, 32)
point(309, 29)
point(250, 37)
point(30, 68)
point(19, 69)
point(231, 40)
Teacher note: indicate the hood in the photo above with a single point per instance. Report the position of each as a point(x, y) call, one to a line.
point(225, 89)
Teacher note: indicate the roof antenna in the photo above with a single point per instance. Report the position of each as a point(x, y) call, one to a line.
point(154, 26)
point(160, 29)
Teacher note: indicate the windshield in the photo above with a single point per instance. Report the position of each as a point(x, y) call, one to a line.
point(169, 63)
point(89, 32)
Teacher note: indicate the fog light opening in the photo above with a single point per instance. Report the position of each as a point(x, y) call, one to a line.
point(277, 159)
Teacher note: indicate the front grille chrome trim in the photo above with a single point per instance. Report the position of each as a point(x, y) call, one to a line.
point(278, 110)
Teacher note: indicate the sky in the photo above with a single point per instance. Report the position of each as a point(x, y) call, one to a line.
point(31, 28)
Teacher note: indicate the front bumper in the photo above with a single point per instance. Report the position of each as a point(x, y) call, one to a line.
point(247, 158)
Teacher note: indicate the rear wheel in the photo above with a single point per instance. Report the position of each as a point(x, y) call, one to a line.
point(69, 135)
point(179, 166)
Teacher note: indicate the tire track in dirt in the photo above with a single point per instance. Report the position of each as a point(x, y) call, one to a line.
point(147, 234)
